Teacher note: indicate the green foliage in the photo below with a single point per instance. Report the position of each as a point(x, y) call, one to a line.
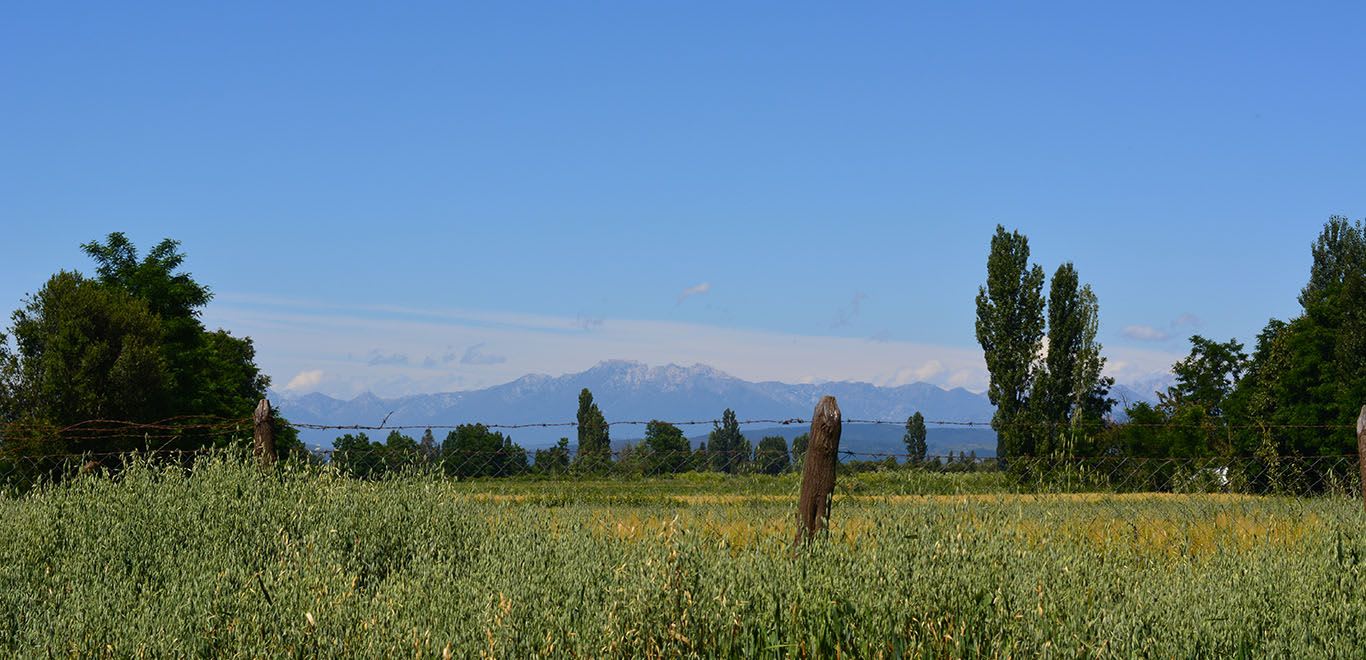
point(554, 460)
point(1309, 374)
point(1299, 392)
point(799, 445)
point(595, 444)
point(86, 351)
point(1192, 419)
point(233, 562)
point(472, 450)
point(169, 294)
point(771, 456)
point(128, 346)
point(1053, 406)
point(212, 373)
point(1207, 376)
point(667, 449)
point(727, 448)
point(915, 437)
point(1010, 328)
point(427, 447)
point(1069, 399)
point(356, 456)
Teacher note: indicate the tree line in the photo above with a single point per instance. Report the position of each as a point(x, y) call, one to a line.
point(124, 343)
point(474, 450)
point(1296, 394)
point(127, 343)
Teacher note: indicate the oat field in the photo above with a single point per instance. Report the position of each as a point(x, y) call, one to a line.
point(228, 561)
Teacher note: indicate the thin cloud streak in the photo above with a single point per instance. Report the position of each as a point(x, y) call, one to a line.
point(1145, 333)
point(695, 290)
point(291, 339)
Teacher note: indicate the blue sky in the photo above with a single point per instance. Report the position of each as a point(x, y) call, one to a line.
point(375, 192)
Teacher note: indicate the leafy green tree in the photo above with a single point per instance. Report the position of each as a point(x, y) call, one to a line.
point(771, 456)
point(1190, 420)
point(1308, 375)
point(553, 460)
point(128, 345)
point(1010, 328)
point(799, 444)
point(427, 447)
point(667, 448)
point(727, 448)
point(595, 445)
point(1208, 375)
point(212, 373)
point(357, 456)
point(1069, 397)
point(84, 351)
point(401, 451)
point(914, 439)
point(472, 450)
point(1046, 402)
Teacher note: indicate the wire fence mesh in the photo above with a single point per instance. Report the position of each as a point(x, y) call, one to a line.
point(32, 454)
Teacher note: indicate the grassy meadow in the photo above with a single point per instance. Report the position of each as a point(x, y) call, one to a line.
point(228, 561)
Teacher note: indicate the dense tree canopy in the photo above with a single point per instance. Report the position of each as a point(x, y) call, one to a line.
point(128, 346)
point(1308, 375)
point(1010, 329)
point(1297, 394)
point(667, 449)
point(553, 460)
point(770, 457)
point(472, 450)
point(1047, 402)
point(727, 448)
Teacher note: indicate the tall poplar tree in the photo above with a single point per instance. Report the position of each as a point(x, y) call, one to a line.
point(915, 436)
point(595, 445)
point(1069, 395)
point(1010, 328)
point(729, 450)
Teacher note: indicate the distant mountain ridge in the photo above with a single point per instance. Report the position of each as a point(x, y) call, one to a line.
point(627, 390)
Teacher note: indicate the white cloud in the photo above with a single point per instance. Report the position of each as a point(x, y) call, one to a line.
point(1145, 333)
point(929, 370)
point(291, 337)
point(695, 290)
point(1137, 366)
point(477, 356)
point(1187, 319)
point(305, 380)
point(962, 378)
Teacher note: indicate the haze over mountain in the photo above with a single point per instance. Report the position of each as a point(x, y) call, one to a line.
point(634, 391)
point(627, 390)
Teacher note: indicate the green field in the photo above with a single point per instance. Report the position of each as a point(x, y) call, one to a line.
point(227, 561)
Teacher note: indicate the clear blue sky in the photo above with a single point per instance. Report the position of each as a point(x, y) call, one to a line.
point(541, 183)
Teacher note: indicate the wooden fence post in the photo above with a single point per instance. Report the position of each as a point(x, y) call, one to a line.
point(263, 440)
point(818, 470)
point(1361, 450)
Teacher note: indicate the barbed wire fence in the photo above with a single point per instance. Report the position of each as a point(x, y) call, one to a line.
point(32, 453)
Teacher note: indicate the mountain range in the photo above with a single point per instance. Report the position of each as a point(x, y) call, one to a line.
point(626, 390)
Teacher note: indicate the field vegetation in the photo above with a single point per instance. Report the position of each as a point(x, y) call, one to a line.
point(225, 559)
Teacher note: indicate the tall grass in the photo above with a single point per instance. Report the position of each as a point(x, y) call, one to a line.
point(226, 560)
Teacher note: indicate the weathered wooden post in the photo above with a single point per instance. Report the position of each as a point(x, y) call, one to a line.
point(263, 440)
point(1361, 450)
point(818, 470)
